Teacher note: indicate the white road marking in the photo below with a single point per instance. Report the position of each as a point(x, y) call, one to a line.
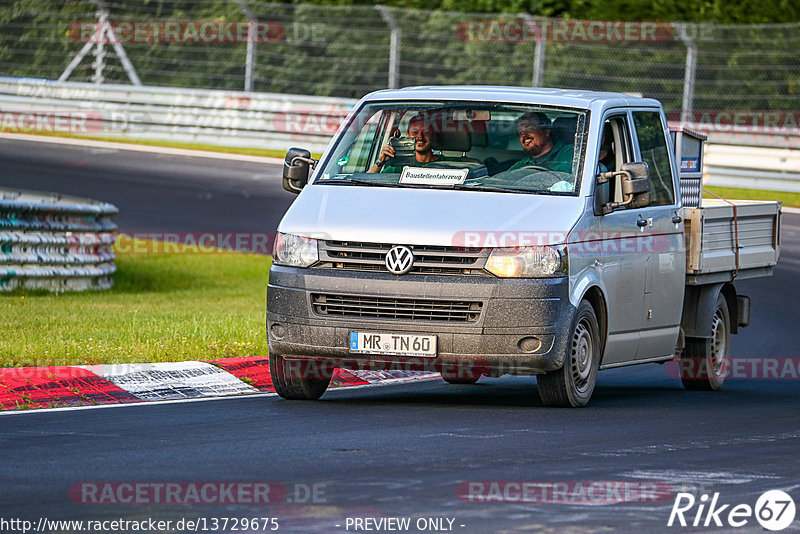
point(171, 380)
point(676, 476)
point(693, 445)
point(140, 148)
point(204, 399)
point(130, 404)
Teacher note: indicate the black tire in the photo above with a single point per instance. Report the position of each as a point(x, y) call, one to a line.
point(466, 381)
point(704, 361)
point(462, 373)
point(573, 384)
point(291, 379)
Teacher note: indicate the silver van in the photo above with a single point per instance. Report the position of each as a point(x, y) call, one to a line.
point(498, 230)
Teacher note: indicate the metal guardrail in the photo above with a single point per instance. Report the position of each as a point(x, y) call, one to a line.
point(55, 242)
point(776, 169)
point(220, 118)
point(279, 121)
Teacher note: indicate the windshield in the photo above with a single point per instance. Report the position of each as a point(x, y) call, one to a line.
point(461, 145)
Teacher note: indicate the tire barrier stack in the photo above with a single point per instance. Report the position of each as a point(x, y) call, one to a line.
point(55, 242)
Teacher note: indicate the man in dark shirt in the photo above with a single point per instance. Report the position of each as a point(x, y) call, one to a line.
point(541, 150)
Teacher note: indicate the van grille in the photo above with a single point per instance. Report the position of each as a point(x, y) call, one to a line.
point(355, 256)
point(456, 311)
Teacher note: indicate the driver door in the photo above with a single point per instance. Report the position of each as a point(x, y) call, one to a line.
point(622, 264)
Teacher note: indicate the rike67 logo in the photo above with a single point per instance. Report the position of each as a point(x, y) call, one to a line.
point(774, 510)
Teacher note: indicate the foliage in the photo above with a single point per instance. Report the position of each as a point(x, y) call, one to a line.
point(341, 48)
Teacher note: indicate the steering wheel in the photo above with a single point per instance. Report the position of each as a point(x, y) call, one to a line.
point(545, 169)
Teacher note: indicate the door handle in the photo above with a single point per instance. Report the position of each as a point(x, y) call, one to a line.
point(676, 218)
point(641, 223)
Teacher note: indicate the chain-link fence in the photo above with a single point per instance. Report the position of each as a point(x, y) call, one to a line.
point(348, 51)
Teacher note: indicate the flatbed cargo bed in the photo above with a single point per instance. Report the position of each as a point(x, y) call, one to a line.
point(731, 239)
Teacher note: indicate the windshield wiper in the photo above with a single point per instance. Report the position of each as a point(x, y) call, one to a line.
point(466, 187)
point(358, 181)
point(492, 188)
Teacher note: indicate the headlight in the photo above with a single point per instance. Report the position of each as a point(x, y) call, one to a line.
point(528, 262)
point(294, 250)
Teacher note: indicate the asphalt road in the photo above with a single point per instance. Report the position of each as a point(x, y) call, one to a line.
point(400, 450)
point(154, 192)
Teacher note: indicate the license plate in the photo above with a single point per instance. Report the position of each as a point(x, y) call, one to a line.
point(394, 344)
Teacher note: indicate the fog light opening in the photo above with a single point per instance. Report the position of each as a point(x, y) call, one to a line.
point(529, 344)
point(277, 330)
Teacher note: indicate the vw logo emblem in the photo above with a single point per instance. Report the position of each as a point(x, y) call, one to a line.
point(399, 260)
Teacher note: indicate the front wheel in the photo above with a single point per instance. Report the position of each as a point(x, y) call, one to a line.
point(468, 380)
point(299, 379)
point(704, 362)
point(573, 384)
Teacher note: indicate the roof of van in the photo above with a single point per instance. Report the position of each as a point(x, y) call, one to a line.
point(526, 95)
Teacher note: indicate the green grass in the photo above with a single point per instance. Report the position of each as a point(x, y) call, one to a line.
point(163, 307)
point(266, 152)
point(734, 193)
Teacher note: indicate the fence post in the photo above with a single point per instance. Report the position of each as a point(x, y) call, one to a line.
point(538, 62)
point(691, 67)
point(250, 59)
point(99, 53)
point(394, 46)
point(538, 53)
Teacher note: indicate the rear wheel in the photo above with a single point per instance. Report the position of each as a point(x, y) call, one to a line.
point(299, 379)
point(573, 384)
point(704, 361)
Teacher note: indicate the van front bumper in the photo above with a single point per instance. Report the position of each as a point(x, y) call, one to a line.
point(510, 310)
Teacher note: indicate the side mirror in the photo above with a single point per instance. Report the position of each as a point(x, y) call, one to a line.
point(296, 168)
point(635, 185)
